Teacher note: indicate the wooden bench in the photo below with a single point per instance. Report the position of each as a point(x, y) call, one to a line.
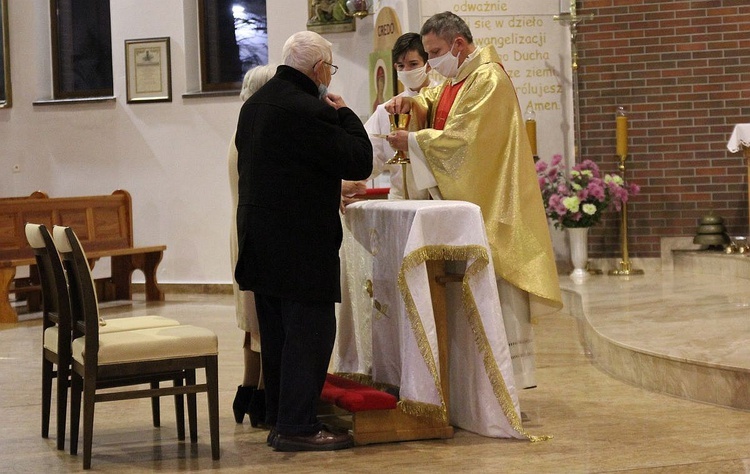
point(105, 226)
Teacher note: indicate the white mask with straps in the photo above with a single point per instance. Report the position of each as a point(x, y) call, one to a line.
point(413, 79)
point(447, 64)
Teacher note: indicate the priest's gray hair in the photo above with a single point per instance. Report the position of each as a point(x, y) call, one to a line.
point(254, 79)
point(304, 49)
point(447, 26)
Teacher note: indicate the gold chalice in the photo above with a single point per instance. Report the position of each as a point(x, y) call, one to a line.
point(400, 122)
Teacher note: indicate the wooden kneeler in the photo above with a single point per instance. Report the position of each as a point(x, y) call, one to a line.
point(375, 415)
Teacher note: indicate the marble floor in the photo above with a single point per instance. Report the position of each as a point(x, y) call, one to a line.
point(599, 423)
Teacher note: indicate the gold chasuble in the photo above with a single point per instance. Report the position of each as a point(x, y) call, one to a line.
point(483, 156)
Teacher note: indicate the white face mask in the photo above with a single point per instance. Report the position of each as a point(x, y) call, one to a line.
point(413, 79)
point(447, 64)
point(322, 91)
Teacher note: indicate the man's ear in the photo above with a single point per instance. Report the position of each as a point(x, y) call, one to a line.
point(460, 42)
point(316, 70)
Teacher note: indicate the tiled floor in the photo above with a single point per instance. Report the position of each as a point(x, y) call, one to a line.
point(599, 423)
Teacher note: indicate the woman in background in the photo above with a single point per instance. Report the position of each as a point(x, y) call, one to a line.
point(250, 396)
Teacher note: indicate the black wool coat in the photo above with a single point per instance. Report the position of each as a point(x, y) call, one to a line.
point(294, 150)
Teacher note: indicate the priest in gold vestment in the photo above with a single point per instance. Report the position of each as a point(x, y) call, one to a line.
point(472, 146)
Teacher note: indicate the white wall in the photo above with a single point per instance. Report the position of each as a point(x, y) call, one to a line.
point(170, 156)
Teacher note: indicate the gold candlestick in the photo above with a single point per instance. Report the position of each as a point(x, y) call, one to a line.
point(400, 122)
point(624, 268)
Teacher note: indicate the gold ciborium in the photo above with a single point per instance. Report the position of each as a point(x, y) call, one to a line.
point(400, 122)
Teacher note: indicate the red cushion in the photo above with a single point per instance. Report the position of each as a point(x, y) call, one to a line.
point(354, 397)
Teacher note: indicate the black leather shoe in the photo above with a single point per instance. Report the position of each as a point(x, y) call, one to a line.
point(323, 440)
point(272, 435)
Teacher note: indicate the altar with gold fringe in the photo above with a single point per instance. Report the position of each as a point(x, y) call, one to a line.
point(448, 359)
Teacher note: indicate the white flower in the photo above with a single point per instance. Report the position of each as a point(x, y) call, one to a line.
point(572, 203)
point(589, 209)
point(614, 178)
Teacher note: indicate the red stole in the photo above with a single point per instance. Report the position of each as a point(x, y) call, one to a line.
point(444, 105)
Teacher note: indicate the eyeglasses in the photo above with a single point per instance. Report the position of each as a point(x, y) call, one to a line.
point(333, 67)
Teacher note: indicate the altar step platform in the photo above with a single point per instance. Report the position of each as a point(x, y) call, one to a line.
point(682, 329)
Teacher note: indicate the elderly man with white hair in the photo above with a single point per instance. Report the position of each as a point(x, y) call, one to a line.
point(296, 142)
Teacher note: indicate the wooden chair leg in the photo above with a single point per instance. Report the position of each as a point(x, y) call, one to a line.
point(212, 381)
point(63, 375)
point(179, 411)
point(89, 392)
point(76, 386)
point(47, 376)
point(192, 407)
point(155, 410)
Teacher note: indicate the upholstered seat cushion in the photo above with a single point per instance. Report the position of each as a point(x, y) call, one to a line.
point(172, 342)
point(135, 322)
point(114, 325)
point(50, 338)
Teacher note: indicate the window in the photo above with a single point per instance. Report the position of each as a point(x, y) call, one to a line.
point(81, 48)
point(5, 93)
point(233, 39)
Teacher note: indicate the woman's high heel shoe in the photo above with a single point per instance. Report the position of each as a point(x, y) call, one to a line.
point(242, 402)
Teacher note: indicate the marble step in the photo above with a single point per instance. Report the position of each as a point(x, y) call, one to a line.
point(681, 332)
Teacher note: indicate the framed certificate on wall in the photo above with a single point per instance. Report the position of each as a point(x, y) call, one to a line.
point(147, 70)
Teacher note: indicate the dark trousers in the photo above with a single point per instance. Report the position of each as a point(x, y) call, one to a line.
point(296, 345)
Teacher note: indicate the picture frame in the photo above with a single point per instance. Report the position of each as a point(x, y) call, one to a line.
point(329, 16)
point(382, 79)
point(148, 72)
point(6, 96)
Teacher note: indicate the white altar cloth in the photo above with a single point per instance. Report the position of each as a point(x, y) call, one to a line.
point(740, 137)
point(386, 325)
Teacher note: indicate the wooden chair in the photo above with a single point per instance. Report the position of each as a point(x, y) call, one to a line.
point(56, 320)
point(121, 360)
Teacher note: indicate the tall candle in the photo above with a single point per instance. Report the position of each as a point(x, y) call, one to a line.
point(531, 131)
point(622, 132)
point(530, 117)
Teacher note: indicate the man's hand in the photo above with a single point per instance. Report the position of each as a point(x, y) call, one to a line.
point(398, 105)
point(334, 100)
point(351, 188)
point(345, 201)
point(399, 140)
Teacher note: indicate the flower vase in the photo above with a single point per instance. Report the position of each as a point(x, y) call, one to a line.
point(579, 252)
